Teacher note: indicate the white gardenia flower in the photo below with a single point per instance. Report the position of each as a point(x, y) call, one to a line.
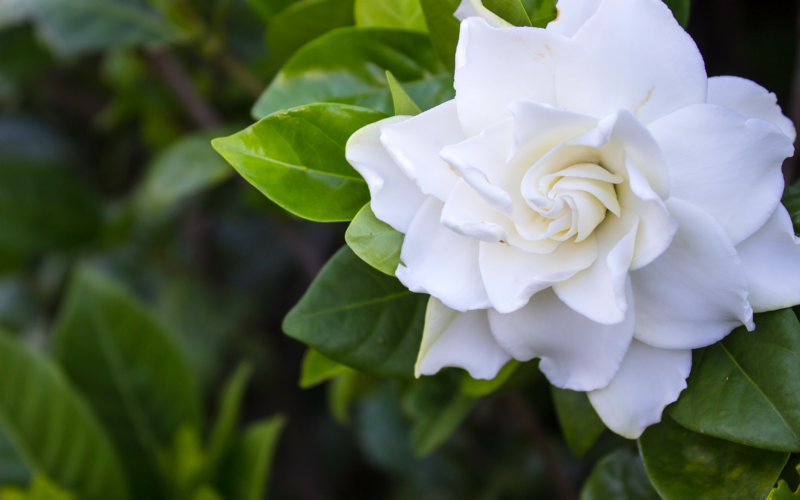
point(591, 198)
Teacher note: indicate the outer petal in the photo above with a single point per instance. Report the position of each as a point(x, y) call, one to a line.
point(495, 66)
point(750, 100)
point(725, 164)
point(415, 144)
point(512, 276)
point(599, 291)
point(577, 354)
point(463, 340)
point(572, 15)
point(696, 292)
point(771, 260)
point(440, 262)
point(633, 55)
point(648, 380)
point(395, 198)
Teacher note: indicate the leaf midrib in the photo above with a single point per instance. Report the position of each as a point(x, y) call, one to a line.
point(294, 167)
point(356, 305)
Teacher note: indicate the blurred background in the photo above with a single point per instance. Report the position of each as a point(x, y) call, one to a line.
point(105, 163)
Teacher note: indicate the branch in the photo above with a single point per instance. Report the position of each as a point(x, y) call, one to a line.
point(529, 421)
point(180, 84)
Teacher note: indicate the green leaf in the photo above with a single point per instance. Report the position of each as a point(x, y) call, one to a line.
point(222, 436)
point(684, 465)
point(402, 14)
point(510, 10)
point(53, 429)
point(791, 200)
point(12, 469)
point(544, 12)
point(348, 66)
point(579, 422)
point(359, 317)
point(77, 26)
point(680, 8)
point(303, 22)
point(317, 369)
point(246, 471)
point(619, 476)
point(432, 432)
point(444, 29)
point(129, 369)
point(477, 388)
point(746, 388)
point(296, 158)
point(268, 8)
point(403, 104)
point(207, 493)
point(44, 208)
point(376, 242)
point(183, 464)
point(182, 170)
point(345, 390)
point(783, 492)
point(40, 488)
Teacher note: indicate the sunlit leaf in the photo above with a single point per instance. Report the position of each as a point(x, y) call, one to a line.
point(403, 14)
point(403, 103)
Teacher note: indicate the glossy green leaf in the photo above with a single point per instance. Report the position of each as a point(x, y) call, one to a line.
point(403, 103)
point(358, 316)
point(44, 208)
point(783, 492)
point(129, 369)
point(182, 170)
point(80, 26)
point(348, 66)
point(245, 474)
point(302, 22)
point(224, 431)
point(53, 429)
point(444, 28)
point(345, 390)
point(477, 388)
point(541, 12)
point(376, 242)
point(680, 8)
point(619, 476)
point(791, 200)
point(40, 488)
point(297, 159)
point(510, 10)
point(317, 369)
point(579, 422)
point(685, 465)
point(402, 14)
point(746, 388)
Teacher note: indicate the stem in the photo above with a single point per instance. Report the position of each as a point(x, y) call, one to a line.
point(530, 423)
point(180, 84)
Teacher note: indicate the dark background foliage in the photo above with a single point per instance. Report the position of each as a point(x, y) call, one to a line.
point(222, 267)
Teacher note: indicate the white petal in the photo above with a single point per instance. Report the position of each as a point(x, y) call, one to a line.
point(771, 260)
point(577, 354)
point(750, 100)
point(572, 15)
point(599, 291)
point(538, 128)
point(440, 262)
point(415, 145)
point(728, 165)
point(696, 292)
point(475, 8)
point(633, 55)
point(512, 276)
point(463, 340)
point(495, 66)
point(648, 380)
point(395, 198)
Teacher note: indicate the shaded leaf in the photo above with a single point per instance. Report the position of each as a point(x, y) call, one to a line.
point(359, 317)
point(317, 369)
point(402, 14)
point(207, 493)
point(374, 241)
point(348, 66)
point(40, 488)
point(297, 159)
point(12, 469)
point(345, 390)
point(478, 387)
point(746, 388)
point(791, 200)
point(224, 431)
point(444, 28)
point(245, 473)
point(619, 476)
point(680, 8)
point(75, 450)
point(129, 369)
point(302, 22)
point(683, 464)
point(403, 104)
point(578, 420)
